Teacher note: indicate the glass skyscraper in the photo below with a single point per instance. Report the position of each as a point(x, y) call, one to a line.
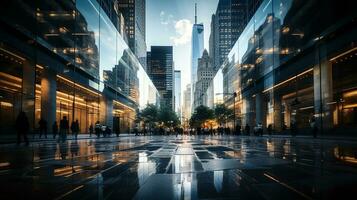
point(196, 52)
point(67, 59)
point(294, 62)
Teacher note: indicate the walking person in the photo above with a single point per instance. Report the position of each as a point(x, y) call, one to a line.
point(238, 131)
point(270, 129)
point(313, 126)
point(43, 127)
point(75, 129)
point(64, 127)
point(22, 127)
point(97, 129)
point(91, 130)
point(247, 129)
point(54, 129)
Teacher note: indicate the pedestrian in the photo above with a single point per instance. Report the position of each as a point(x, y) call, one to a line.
point(117, 131)
point(54, 129)
point(91, 130)
point(238, 129)
point(97, 129)
point(270, 129)
point(313, 126)
point(136, 129)
point(73, 128)
point(293, 127)
point(104, 127)
point(107, 131)
point(43, 127)
point(76, 128)
point(22, 126)
point(247, 129)
point(64, 127)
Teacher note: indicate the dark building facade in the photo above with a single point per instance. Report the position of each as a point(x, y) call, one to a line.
point(227, 24)
point(58, 60)
point(134, 15)
point(161, 72)
point(295, 63)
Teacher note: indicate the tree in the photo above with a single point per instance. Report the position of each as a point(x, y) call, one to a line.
point(201, 114)
point(150, 113)
point(168, 116)
point(222, 113)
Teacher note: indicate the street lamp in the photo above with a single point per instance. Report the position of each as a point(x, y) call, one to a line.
point(234, 94)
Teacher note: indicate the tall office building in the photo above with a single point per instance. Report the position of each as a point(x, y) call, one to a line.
point(177, 84)
point(57, 59)
point(227, 24)
point(161, 73)
point(196, 52)
point(134, 17)
point(205, 73)
point(186, 111)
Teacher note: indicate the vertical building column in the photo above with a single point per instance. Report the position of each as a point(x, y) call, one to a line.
point(323, 94)
point(28, 92)
point(48, 97)
point(248, 118)
point(286, 114)
point(260, 114)
point(277, 115)
point(106, 112)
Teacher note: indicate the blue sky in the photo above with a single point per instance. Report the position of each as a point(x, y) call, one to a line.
point(169, 23)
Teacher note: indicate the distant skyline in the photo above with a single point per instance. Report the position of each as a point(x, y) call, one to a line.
point(169, 22)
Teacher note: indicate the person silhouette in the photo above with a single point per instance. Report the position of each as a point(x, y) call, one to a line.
point(22, 127)
point(43, 127)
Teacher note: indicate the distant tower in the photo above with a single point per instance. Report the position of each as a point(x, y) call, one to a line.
point(196, 52)
point(195, 13)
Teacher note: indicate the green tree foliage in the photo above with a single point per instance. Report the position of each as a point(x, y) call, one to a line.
point(222, 113)
point(168, 116)
point(201, 114)
point(151, 114)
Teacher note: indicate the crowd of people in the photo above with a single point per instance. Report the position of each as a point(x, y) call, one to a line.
point(59, 131)
point(63, 129)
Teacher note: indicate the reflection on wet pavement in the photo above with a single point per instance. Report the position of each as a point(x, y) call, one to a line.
point(164, 167)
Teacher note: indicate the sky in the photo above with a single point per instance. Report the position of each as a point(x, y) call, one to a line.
point(169, 23)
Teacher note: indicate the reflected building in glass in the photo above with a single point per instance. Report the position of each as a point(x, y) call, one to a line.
point(134, 15)
point(294, 62)
point(67, 59)
point(160, 70)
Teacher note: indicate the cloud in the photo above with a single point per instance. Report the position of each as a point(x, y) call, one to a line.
point(166, 19)
point(183, 29)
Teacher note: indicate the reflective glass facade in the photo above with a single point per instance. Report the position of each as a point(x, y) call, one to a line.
point(196, 52)
point(66, 58)
point(294, 61)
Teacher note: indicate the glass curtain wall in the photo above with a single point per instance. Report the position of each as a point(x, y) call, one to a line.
point(294, 62)
point(66, 59)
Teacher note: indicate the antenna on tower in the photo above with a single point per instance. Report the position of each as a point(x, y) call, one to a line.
point(195, 13)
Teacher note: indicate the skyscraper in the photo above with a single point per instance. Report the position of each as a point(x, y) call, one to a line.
point(227, 24)
point(178, 93)
point(161, 73)
point(186, 111)
point(134, 17)
point(196, 52)
point(205, 73)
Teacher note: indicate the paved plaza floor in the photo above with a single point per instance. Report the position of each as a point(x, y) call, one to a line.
point(183, 167)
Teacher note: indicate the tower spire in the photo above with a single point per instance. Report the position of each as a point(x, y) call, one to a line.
point(195, 13)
